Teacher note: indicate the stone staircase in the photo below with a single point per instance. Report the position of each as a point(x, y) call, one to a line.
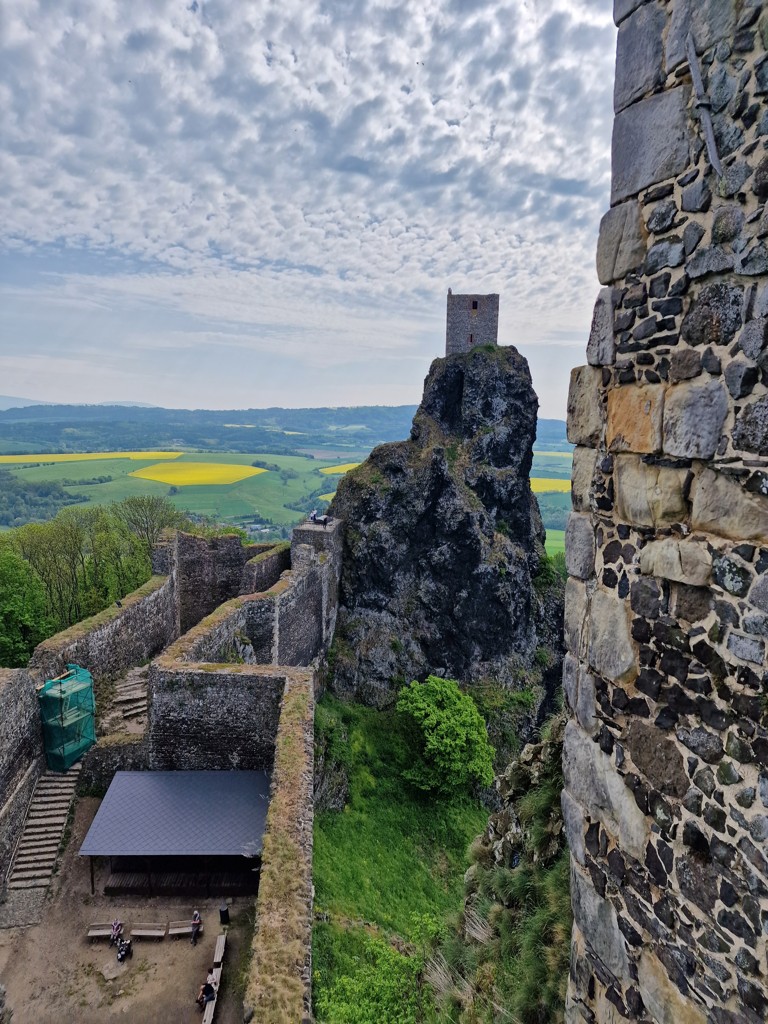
point(129, 704)
point(35, 856)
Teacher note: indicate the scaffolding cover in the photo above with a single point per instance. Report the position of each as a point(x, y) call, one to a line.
point(68, 713)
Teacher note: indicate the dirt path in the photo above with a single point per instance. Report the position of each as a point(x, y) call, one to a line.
point(54, 975)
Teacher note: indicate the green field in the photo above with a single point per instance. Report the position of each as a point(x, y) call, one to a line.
point(268, 497)
point(555, 542)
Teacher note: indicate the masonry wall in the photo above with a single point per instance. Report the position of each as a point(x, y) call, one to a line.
point(666, 756)
point(21, 756)
point(471, 320)
point(264, 570)
point(212, 717)
point(209, 572)
point(116, 639)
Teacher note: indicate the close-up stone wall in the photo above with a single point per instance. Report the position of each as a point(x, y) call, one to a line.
point(666, 755)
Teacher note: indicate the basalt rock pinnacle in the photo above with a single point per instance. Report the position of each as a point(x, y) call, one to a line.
point(443, 536)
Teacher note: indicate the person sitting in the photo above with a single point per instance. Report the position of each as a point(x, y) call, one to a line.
point(207, 992)
point(313, 516)
point(117, 931)
point(197, 924)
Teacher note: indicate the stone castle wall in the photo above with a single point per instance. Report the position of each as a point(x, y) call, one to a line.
point(471, 320)
point(666, 755)
point(21, 756)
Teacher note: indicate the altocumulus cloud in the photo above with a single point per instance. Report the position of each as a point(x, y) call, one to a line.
point(293, 186)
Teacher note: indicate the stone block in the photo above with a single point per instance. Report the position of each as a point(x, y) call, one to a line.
point(639, 55)
point(623, 8)
point(657, 757)
point(694, 415)
point(601, 347)
point(611, 652)
point(576, 607)
point(648, 495)
point(751, 431)
point(635, 418)
point(592, 781)
point(579, 692)
point(582, 475)
point(747, 648)
point(720, 505)
point(715, 315)
point(580, 546)
point(759, 593)
point(570, 681)
point(598, 923)
point(621, 245)
point(663, 999)
point(708, 20)
point(573, 820)
point(585, 407)
point(650, 142)
point(684, 561)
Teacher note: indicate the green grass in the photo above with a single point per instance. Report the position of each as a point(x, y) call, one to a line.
point(555, 542)
point(393, 858)
point(392, 854)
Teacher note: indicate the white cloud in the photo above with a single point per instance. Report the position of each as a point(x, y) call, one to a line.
point(300, 175)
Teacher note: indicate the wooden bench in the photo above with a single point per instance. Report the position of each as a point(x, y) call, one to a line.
point(218, 956)
point(148, 930)
point(177, 928)
point(103, 930)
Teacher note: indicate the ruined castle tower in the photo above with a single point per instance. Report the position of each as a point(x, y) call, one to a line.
point(471, 320)
point(666, 755)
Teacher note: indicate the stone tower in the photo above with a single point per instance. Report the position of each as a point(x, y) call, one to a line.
point(666, 754)
point(471, 320)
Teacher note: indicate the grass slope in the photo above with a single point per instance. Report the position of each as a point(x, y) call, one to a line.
point(392, 857)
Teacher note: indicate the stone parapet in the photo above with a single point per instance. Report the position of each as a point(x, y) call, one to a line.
point(666, 756)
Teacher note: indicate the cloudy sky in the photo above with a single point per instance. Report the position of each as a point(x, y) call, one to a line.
point(233, 203)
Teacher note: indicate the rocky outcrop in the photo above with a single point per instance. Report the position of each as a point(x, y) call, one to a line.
point(443, 537)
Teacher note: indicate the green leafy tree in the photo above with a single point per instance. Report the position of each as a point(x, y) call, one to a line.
point(146, 516)
point(23, 619)
point(448, 735)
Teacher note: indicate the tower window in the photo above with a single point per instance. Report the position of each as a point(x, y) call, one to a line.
point(474, 304)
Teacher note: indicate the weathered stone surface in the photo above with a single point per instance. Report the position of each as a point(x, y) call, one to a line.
point(708, 20)
point(598, 922)
point(759, 593)
point(747, 648)
point(679, 560)
point(696, 197)
point(714, 316)
point(621, 243)
point(694, 414)
point(685, 364)
point(639, 55)
point(706, 744)
point(711, 260)
point(601, 347)
point(635, 418)
point(593, 782)
point(648, 495)
point(611, 652)
point(751, 430)
point(582, 475)
point(740, 378)
point(623, 8)
point(665, 1002)
point(650, 142)
point(754, 337)
point(580, 546)
point(585, 407)
point(573, 819)
point(720, 505)
point(658, 758)
point(727, 225)
point(576, 605)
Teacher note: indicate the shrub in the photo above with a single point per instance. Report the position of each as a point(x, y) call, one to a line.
point(448, 736)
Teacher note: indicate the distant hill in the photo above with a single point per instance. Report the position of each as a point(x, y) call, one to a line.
point(9, 402)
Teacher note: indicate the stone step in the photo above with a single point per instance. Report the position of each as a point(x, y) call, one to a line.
point(52, 800)
point(30, 874)
point(136, 712)
point(130, 695)
point(29, 883)
point(37, 865)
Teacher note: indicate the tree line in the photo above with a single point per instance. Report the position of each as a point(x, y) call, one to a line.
point(56, 573)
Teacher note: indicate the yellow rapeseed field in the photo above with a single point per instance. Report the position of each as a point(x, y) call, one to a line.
point(327, 497)
point(196, 474)
point(540, 485)
point(88, 456)
point(333, 470)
